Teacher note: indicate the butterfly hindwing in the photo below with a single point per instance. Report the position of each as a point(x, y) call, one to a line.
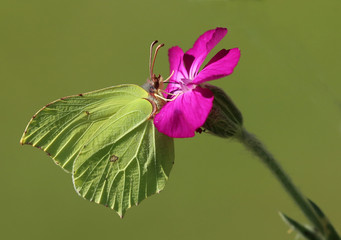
point(124, 167)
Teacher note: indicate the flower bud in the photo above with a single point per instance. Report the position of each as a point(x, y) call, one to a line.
point(224, 120)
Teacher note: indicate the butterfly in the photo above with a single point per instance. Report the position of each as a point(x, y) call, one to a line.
point(107, 140)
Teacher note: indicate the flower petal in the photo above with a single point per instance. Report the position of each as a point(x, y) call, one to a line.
point(221, 65)
point(201, 48)
point(181, 117)
point(175, 57)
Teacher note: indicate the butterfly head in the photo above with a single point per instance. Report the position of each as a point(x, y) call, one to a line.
point(155, 83)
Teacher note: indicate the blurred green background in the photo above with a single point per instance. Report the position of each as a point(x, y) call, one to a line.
point(287, 85)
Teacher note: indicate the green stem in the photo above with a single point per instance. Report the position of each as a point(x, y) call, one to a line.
point(256, 147)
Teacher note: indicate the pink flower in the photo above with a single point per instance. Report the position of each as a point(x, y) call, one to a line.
point(190, 102)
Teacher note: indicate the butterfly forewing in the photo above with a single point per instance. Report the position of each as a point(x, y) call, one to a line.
point(62, 127)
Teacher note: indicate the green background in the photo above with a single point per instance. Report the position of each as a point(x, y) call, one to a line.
point(286, 84)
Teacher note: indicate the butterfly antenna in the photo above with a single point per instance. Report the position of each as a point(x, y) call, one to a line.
point(156, 51)
point(150, 58)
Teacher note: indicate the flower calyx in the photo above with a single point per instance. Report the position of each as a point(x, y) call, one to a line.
point(225, 120)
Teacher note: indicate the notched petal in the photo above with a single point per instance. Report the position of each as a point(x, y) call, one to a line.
point(175, 57)
point(202, 46)
point(221, 65)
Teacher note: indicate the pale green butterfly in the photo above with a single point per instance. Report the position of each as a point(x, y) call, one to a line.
point(107, 140)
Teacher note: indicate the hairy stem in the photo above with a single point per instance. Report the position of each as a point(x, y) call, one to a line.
point(257, 148)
